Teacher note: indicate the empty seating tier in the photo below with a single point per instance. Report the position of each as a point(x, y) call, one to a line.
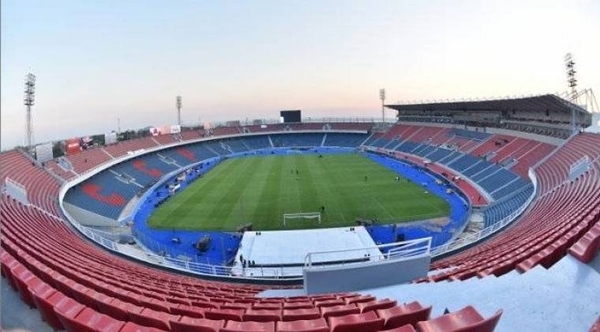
point(42, 188)
point(91, 305)
point(556, 221)
point(75, 285)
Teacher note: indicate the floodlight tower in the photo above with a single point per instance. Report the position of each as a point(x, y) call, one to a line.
point(572, 82)
point(382, 97)
point(178, 104)
point(29, 101)
point(571, 79)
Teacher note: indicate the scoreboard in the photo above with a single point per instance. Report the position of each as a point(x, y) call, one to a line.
point(291, 116)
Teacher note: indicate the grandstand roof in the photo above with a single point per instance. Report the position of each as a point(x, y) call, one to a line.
point(542, 103)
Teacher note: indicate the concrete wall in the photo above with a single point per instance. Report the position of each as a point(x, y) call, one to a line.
point(87, 218)
point(492, 130)
point(531, 136)
point(595, 127)
point(131, 206)
point(364, 276)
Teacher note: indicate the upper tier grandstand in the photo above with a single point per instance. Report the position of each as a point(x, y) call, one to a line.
point(529, 183)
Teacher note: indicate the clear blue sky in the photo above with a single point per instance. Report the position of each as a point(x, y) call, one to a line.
point(97, 61)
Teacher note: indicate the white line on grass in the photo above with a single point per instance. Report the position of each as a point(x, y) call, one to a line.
point(437, 209)
point(383, 207)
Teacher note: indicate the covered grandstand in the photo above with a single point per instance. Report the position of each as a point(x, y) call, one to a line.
point(544, 114)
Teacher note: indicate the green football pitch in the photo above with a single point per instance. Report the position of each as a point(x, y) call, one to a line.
point(259, 190)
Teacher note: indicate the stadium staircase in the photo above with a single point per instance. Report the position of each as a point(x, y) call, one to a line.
point(534, 301)
point(364, 142)
point(271, 142)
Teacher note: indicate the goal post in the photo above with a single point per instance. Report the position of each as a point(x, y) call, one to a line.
point(305, 215)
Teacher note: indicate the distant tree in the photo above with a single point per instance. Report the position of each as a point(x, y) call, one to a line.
point(58, 149)
point(98, 139)
point(126, 135)
point(143, 133)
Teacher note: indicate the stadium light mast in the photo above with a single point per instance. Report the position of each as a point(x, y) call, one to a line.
point(178, 105)
point(571, 79)
point(29, 101)
point(572, 82)
point(382, 97)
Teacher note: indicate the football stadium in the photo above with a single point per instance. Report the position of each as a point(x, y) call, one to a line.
point(452, 215)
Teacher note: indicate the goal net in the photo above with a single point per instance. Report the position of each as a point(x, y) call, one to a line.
point(306, 215)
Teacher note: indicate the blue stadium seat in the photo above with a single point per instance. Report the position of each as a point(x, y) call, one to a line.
point(344, 140)
point(295, 140)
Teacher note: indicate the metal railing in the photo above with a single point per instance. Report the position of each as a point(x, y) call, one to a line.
point(402, 251)
point(16, 190)
point(391, 251)
point(486, 232)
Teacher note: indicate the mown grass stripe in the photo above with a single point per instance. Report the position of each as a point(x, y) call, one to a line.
point(260, 189)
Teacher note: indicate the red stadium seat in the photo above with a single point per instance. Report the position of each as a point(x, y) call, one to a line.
point(409, 313)
point(404, 328)
point(189, 324)
point(115, 307)
point(465, 319)
point(8, 261)
point(239, 306)
point(376, 304)
point(262, 315)
point(153, 318)
point(307, 325)
point(367, 322)
point(86, 296)
point(267, 305)
point(88, 320)
point(339, 310)
point(65, 285)
point(24, 279)
point(226, 314)
point(133, 327)
point(588, 245)
point(42, 290)
point(298, 305)
point(156, 304)
point(177, 299)
point(100, 322)
point(328, 303)
point(298, 314)
point(66, 310)
point(204, 304)
point(45, 301)
point(233, 326)
point(188, 310)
